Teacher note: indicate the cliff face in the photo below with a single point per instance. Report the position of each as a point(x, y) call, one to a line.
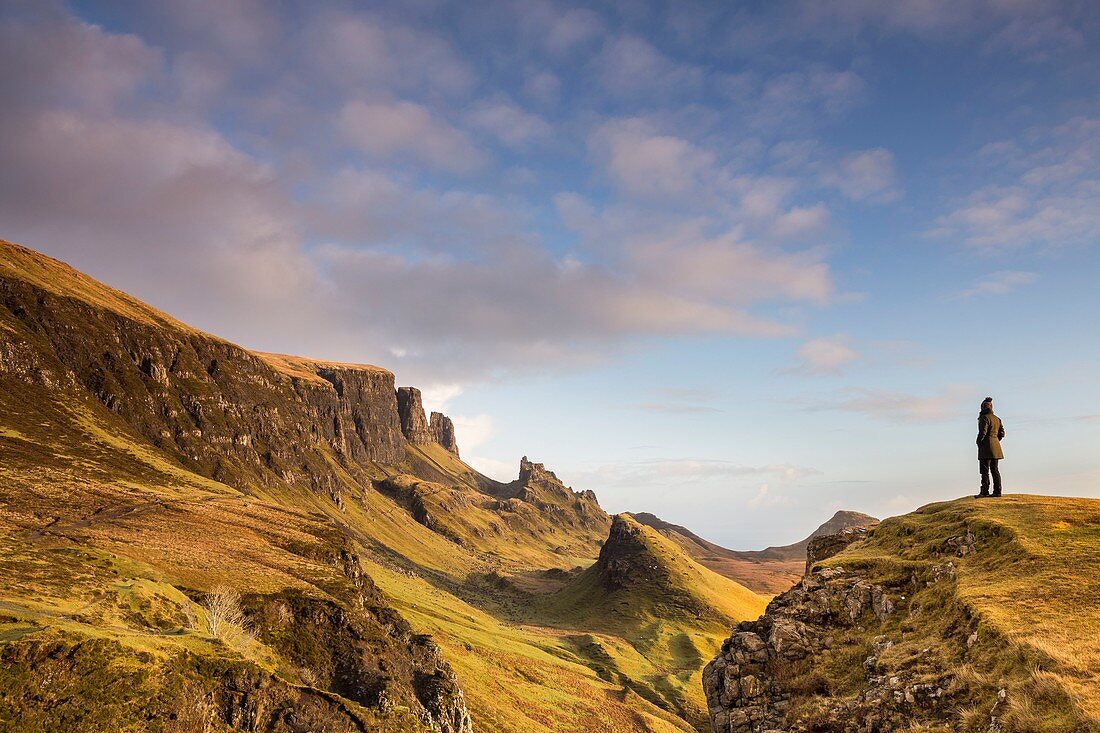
point(924, 622)
point(246, 419)
point(443, 432)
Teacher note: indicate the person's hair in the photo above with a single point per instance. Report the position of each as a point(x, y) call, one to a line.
point(987, 401)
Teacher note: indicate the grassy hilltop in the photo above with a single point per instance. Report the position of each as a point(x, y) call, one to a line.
point(969, 615)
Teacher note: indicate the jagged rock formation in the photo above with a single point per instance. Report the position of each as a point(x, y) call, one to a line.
point(443, 432)
point(411, 410)
point(542, 489)
point(535, 511)
point(416, 429)
point(825, 546)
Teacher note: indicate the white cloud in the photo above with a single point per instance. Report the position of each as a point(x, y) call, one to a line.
point(679, 472)
point(645, 163)
point(867, 175)
point(503, 471)
point(948, 404)
point(406, 129)
point(999, 283)
point(825, 356)
point(509, 123)
point(630, 66)
point(472, 431)
point(764, 498)
point(1045, 191)
point(362, 52)
point(437, 396)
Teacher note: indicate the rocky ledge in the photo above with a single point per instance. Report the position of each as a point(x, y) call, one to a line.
point(880, 645)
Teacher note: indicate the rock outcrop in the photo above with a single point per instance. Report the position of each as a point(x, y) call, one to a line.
point(745, 684)
point(443, 432)
point(362, 650)
point(823, 547)
point(542, 489)
point(876, 637)
point(410, 408)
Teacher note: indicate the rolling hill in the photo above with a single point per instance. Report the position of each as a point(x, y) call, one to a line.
point(768, 571)
point(645, 589)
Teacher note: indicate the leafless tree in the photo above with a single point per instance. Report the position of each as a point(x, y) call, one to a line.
point(224, 616)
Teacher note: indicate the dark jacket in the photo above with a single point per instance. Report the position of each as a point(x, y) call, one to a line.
point(990, 432)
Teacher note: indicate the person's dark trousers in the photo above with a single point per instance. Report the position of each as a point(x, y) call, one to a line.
point(990, 467)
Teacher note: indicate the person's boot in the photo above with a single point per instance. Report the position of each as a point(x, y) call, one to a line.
point(996, 492)
point(984, 494)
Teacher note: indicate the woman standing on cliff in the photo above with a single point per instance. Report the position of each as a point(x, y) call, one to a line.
point(990, 432)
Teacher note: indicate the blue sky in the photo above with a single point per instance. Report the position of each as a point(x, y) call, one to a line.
point(738, 264)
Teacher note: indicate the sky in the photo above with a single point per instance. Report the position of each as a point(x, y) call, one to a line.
point(737, 264)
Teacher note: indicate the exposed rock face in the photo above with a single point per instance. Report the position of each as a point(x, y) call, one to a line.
point(884, 644)
point(745, 683)
point(825, 546)
point(443, 432)
point(540, 487)
point(363, 651)
point(414, 425)
point(236, 416)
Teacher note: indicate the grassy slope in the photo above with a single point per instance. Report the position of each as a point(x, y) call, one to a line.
point(1033, 583)
point(101, 530)
point(672, 611)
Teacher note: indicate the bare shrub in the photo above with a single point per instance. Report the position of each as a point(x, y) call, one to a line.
point(225, 618)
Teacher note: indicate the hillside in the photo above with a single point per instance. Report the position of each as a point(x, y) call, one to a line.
point(962, 616)
point(768, 571)
point(150, 471)
point(645, 589)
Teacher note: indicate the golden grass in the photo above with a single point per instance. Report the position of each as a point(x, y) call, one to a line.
point(1033, 584)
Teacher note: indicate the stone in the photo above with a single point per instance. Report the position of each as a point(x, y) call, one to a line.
point(410, 408)
point(442, 430)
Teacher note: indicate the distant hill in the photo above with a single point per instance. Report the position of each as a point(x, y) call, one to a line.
point(765, 571)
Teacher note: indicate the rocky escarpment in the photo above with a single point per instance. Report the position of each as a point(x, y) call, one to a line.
point(410, 408)
point(417, 429)
point(542, 489)
point(250, 420)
